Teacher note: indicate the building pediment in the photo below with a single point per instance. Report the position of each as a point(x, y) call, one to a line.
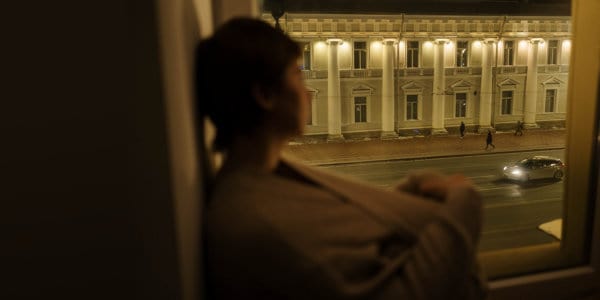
point(553, 81)
point(362, 89)
point(412, 87)
point(508, 82)
point(461, 85)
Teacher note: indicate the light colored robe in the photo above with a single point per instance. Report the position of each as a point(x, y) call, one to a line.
point(273, 237)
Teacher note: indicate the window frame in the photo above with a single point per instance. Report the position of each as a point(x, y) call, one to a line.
point(304, 45)
point(512, 55)
point(418, 50)
point(466, 110)
point(466, 58)
point(366, 105)
point(554, 100)
point(512, 103)
point(366, 55)
point(556, 53)
point(417, 104)
point(570, 270)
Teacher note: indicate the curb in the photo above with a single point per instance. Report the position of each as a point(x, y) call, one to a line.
point(425, 156)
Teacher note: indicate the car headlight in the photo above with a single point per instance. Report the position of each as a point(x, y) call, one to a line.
point(516, 172)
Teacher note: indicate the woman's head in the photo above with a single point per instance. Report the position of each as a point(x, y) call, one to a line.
point(247, 77)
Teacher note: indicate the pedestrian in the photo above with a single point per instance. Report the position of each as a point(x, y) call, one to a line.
point(488, 140)
point(279, 229)
point(462, 129)
point(519, 130)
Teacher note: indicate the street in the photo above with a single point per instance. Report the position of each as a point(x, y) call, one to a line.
point(512, 211)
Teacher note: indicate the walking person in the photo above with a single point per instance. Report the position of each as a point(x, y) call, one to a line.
point(519, 130)
point(488, 140)
point(462, 129)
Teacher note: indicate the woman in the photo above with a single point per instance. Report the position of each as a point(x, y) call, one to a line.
point(276, 229)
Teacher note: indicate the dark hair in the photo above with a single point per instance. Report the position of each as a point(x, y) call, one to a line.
point(241, 55)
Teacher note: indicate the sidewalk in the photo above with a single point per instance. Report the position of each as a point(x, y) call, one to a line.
point(424, 146)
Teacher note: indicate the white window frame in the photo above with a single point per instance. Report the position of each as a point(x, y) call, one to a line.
point(512, 104)
point(361, 90)
point(418, 54)
point(313, 106)
point(466, 104)
point(513, 56)
point(366, 50)
point(419, 105)
point(552, 83)
point(467, 58)
point(367, 107)
point(556, 55)
point(311, 52)
point(555, 107)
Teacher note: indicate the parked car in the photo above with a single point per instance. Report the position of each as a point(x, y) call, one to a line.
point(535, 167)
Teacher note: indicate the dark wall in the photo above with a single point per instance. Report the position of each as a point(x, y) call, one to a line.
point(86, 191)
point(441, 7)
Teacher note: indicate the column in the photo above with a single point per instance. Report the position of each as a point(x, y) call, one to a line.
point(387, 91)
point(530, 110)
point(334, 108)
point(439, 81)
point(485, 94)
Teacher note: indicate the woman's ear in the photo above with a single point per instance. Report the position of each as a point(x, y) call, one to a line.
point(263, 98)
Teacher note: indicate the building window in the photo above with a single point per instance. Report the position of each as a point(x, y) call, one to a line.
point(550, 101)
point(552, 52)
point(461, 105)
point(305, 56)
point(507, 102)
point(412, 105)
point(412, 54)
point(360, 109)
point(509, 53)
point(360, 55)
point(462, 52)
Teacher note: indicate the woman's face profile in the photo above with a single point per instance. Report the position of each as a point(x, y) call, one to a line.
point(293, 103)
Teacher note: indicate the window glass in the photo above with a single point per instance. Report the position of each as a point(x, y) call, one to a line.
point(508, 53)
point(360, 109)
point(461, 105)
point(462, 52)
point(552, 52)
point(412, 107)
point(550, 100)
point(412, 54)
point(523, 105)
point(507, 102)
point(360, 55)
point(305, 56)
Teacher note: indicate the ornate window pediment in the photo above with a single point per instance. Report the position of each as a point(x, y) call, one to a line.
point(508, 83)
point(412, 87)
point(461, 85)
point(552, 81)
point(362, 89)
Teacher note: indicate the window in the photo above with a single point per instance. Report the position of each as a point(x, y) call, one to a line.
point(509, 53)
point(552, 52)
point(462, 52)
point(360, 55)
point(461, 105)
point(412, 102)
point(412, 54)
point(305, 56)
point(507, 102)
point(550, 101)
point(360, 109)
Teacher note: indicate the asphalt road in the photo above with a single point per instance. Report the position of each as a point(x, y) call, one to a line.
point(512, 211)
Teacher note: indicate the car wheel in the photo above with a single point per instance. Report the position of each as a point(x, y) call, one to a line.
point(558, 175)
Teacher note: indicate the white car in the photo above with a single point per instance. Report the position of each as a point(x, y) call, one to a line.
point(535, 167)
